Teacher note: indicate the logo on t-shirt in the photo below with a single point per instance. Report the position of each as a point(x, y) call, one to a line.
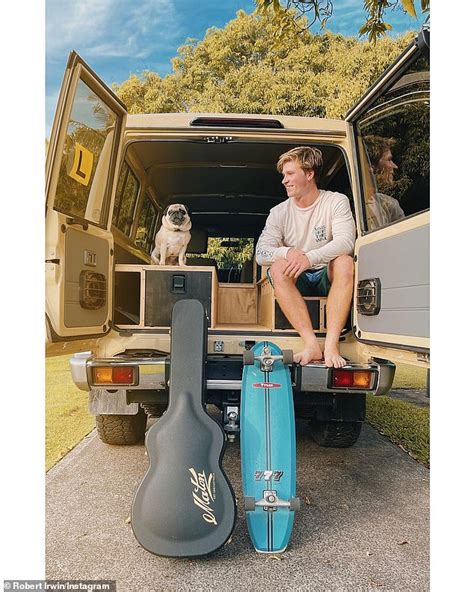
point(320, 233)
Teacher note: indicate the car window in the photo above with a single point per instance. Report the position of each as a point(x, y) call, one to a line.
point(84, 169)
point(125, 199)
point(393, 143)
point(146, 228)
point(229, 252)
point(233, 257)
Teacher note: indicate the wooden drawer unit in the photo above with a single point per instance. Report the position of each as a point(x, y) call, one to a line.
point(145, 294)
point(271, 315)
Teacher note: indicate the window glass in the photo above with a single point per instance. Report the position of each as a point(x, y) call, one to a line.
point(125, 199)
point(229, 252)
point(145, 235)
point(393, 141)
point(122, 178)
point(85, 156)
point(233, 257)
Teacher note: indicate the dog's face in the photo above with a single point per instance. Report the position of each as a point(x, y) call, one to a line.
point(177, 216)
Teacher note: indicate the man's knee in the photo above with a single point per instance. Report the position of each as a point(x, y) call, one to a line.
point(277, 272)
point(342, 267)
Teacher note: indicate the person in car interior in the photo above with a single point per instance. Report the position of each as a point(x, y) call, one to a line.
point(381, 208)
point(308, 241)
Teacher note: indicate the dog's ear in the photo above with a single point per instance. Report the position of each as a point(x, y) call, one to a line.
point(187, 210)
point(165, 211)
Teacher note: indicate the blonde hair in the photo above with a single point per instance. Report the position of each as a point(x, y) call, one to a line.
point(309, 159)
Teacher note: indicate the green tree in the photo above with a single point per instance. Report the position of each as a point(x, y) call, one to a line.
point(234, 70)
point(230, 256)
point(296, 16)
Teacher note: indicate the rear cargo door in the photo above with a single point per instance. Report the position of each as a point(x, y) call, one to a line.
point(81, 170)
point(390, 140)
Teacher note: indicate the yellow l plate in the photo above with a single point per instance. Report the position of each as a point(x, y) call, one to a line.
point(82, 165)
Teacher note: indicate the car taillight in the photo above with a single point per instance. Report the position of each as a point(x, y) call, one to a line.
point(358, 379)
point(113, 375)
point(362, 379)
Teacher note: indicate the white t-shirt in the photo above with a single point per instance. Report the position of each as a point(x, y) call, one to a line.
point(324, 230)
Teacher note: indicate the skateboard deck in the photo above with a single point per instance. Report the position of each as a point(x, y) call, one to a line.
point(268, 447)
point(185, 506)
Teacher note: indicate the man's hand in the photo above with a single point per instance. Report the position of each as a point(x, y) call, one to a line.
point(297, 263)
point(293, 254)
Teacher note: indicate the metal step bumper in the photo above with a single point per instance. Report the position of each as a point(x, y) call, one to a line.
point(153, 374)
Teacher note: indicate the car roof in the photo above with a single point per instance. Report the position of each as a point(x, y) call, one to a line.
point(184, 120)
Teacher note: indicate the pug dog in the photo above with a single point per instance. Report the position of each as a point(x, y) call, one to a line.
point(173, 237)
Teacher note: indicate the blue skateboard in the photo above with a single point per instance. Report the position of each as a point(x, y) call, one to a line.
point(268, 447)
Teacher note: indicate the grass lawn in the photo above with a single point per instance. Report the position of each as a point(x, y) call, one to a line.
point(409, 377)
point(403, 423)
point(68, 419)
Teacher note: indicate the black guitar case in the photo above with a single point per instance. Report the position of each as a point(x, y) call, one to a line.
point(185, 505)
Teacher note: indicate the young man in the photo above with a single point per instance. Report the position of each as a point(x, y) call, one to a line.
point(382, 209)
point(308, 240)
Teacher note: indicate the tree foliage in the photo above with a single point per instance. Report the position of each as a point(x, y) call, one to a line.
point(230, 256)
point(296, 16)
point(235, 70)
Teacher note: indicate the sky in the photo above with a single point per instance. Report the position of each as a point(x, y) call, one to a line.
point(118, 38)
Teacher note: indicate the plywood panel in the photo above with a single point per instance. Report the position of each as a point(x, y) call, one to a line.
point(266, 308)
point(237, 304)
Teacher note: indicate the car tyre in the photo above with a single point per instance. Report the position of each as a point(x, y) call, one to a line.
point(120, 430)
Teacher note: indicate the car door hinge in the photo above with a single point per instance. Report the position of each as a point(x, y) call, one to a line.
point(77, 222)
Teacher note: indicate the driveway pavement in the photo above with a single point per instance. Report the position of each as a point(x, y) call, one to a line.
point(363, 524)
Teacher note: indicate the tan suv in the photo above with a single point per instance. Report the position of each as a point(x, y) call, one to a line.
point(111, 174)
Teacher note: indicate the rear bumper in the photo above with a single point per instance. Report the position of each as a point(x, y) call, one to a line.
point(224, 374)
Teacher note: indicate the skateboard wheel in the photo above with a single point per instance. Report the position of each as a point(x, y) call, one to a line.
point(249, 504)
point(287, 357)
point(249, 357)
point(295, 504)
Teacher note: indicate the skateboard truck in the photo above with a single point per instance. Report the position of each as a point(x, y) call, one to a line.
point(267, 359)
point(271, 502)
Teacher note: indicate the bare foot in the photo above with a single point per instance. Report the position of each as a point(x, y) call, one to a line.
point(333, 359)
point(309, 354)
